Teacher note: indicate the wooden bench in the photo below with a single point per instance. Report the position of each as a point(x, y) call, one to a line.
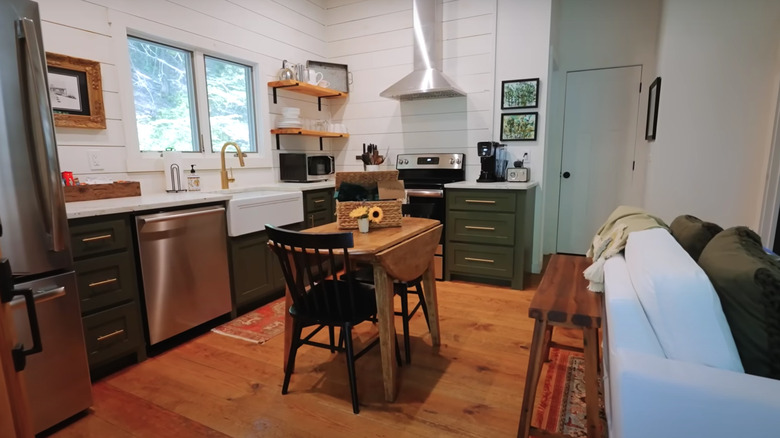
point(563, 300)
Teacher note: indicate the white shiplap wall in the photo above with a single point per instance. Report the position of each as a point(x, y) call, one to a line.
point(374, 37)
point(259, 31)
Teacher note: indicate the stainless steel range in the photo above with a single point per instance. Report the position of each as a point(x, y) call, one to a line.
point(424, 177)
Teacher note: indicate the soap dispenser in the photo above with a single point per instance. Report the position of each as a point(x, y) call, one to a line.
point(193, 180)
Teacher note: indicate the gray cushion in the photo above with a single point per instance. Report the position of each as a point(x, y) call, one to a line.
point(747, 281)
point(693, 234)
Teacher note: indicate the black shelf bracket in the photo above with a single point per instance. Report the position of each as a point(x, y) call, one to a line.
point(277, 136)
point(282, 86)
point(319, 100)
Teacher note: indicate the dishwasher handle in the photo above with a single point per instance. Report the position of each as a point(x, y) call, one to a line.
point(168, 217)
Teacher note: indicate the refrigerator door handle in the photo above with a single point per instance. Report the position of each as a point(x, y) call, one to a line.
point(44, 145)
point(18, 353)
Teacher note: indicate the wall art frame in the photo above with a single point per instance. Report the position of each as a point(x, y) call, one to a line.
point(75, 92)
point(520, 93)
point(653, 98)
point(519, 126)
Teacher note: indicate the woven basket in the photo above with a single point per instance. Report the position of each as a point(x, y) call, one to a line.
point(366, 179)
point(391, 209)
point(391, 212)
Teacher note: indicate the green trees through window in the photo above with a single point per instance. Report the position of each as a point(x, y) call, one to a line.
point(165, 95)
point(229, 87)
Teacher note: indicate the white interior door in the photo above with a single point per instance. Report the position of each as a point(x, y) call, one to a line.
point(599, 135)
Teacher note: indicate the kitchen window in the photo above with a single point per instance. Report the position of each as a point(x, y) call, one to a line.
point(171, 85)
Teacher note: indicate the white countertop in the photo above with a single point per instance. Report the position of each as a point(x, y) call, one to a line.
point(138, 203)
point(491, 186)
point(101, 207)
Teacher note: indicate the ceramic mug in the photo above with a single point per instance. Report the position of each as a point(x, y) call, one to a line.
point(314, 77)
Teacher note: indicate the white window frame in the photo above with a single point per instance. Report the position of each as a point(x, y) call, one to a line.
point(123, 25)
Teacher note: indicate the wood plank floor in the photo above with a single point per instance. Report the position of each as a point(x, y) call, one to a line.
point(217, 386)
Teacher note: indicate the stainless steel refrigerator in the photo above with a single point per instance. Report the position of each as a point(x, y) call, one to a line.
point(33, 225)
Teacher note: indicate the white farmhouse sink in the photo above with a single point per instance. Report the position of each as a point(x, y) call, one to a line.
point(248, 212)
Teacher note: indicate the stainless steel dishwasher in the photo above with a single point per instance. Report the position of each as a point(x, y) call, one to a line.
point(184, 265)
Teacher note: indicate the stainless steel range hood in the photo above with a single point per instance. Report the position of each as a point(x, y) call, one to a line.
point(427, 80)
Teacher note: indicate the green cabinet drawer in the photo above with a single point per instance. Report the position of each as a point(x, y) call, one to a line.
point(98, 235)
point(106, 281)
point(481, 200)
point(480, 260)
point(318, 218)
point(477, 227)
point(112, 333)
point(318, 200)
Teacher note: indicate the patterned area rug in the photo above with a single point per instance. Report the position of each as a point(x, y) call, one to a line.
point(562, 407)
point(258, 325)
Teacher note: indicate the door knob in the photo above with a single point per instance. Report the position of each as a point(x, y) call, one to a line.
point(566, 174)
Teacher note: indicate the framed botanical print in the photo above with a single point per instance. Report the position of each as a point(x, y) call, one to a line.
point(520, 93)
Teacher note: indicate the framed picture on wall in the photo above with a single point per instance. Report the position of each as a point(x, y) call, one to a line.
point(653, 96)
point(75, 92)
point(518, 127)
point(520, 93)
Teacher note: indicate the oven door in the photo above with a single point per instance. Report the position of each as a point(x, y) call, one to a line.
point(320, 166)
point(433, 196)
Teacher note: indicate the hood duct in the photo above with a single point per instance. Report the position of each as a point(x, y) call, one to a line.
point(427, 80)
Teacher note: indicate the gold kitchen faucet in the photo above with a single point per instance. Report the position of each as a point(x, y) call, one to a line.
point(224, 173)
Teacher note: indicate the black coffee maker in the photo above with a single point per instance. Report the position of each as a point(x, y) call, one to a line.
point(492, 155)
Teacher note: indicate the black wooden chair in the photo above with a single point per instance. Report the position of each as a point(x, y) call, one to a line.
point(319, 298)
point(403, 288)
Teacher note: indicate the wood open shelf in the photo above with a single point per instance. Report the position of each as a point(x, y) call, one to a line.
point(298, 131)
point(306, 88)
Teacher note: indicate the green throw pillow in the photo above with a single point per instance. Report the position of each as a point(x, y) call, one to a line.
point(693, 234)
point(747, 281)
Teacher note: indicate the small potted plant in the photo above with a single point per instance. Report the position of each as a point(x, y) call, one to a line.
point(364, 214)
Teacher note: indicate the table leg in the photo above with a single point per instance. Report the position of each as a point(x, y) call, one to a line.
point(383, 288)
point(591, 344)
point(431, 301)
point(532, 377)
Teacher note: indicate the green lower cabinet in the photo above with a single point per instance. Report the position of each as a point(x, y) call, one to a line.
point(489, 235)
point(254, 270)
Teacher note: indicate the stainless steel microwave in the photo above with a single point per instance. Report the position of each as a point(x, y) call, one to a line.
point(305, 167)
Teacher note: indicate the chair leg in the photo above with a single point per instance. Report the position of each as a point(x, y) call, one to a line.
point(347, 335)
point(397, 353)
point(420, 296)
point(405, 320)
point(297, 329)
point(332, 339)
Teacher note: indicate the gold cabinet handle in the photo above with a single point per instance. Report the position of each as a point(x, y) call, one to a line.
point(319, 201)
point(474, 227)
point(479, 201)
point(473, 259)
point(92, 239)
point(101, 283)
point(110, 335)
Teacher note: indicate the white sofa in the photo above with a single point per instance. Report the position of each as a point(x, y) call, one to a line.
point(649, 395)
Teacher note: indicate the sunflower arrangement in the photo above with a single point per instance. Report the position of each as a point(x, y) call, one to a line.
point(374, 214)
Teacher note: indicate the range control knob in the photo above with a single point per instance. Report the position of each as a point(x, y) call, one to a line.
point(457, 161)
point(406, 161)
point(452, 161)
